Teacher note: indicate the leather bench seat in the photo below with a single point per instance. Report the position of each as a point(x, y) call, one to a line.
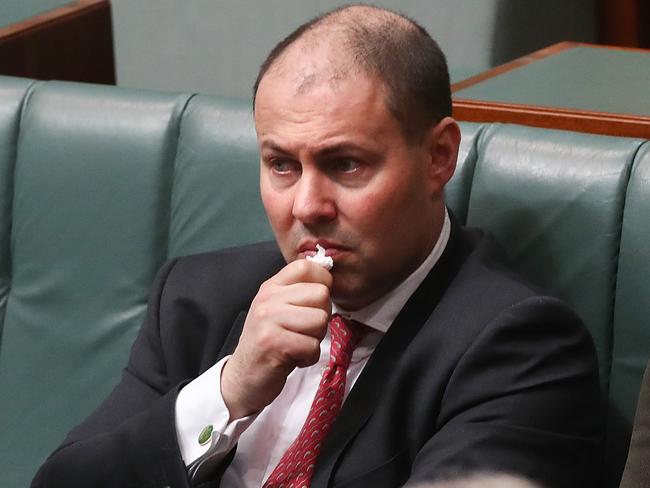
point(100, 185)
point(630, 332)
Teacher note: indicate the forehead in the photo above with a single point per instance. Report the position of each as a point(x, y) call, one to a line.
point(310, 60)
point(320, 104)
point(313, 64)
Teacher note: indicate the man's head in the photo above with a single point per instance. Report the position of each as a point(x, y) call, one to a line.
point(354, 155)
point(378, 43)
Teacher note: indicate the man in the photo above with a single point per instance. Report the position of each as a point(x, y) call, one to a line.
point(459, 364)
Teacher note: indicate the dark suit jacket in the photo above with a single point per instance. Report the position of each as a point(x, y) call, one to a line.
point(637, 468)
point(479, 371)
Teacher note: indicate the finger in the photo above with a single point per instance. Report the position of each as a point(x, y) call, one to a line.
point(308, 321)
point(286, 349)
point(314, 295)
point(303, 350)
point(303, 271)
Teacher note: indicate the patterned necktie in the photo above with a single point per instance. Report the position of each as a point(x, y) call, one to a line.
point(296, 467)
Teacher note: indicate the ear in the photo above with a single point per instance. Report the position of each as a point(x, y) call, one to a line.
point(442, 144)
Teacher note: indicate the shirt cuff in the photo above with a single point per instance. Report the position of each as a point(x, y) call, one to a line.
point(200, 405)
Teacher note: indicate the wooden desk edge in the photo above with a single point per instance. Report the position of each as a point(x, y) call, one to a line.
point(553, 118)
point(66, 12)
point(514, 64)
point(532, 58)
point(73, 42)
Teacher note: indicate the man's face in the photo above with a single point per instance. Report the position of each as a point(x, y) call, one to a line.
point(336, 170)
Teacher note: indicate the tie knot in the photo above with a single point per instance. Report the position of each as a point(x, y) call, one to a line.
point(345, 335)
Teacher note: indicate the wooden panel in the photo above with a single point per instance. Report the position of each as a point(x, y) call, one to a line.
point(74, 42)
point(624, 22)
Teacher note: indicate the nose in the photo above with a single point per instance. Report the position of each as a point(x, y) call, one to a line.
point(314, 200)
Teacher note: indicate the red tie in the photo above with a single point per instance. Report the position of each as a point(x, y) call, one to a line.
point(296, 467)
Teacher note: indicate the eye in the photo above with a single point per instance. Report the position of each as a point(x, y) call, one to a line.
point(346, 165)
point(283, 166)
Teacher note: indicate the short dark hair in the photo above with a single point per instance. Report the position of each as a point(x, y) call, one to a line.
point(398, 51)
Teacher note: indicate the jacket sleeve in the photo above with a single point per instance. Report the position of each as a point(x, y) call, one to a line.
point(524, 398)
point(130, 440)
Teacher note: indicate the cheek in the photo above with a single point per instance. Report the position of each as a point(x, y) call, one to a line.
point(278, 208)
point(389, 217)
point(373, 216)
point(281, 222)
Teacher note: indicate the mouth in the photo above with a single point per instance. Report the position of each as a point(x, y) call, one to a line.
point(308, 248)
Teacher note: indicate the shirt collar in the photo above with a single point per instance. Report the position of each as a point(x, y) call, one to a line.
point(382, 312)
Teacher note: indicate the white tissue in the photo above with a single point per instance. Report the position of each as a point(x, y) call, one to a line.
point(319, 258)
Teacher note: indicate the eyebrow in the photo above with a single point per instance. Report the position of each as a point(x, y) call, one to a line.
point(330, 150)
point(272, 146)
point(335, 149)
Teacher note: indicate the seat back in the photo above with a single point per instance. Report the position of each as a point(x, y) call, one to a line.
point(89, 224)
point(566, 206)
point(12, 93)
point(215, 197)
point(631, 331)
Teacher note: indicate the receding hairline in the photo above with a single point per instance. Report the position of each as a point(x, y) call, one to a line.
point(378, 43)
point(341, 29)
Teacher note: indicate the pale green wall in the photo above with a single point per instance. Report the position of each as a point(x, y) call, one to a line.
point(12, 11)
point(216, 46)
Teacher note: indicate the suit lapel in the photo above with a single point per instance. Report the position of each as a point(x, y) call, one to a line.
point(233, 336)
point(272, 263)
point(368, 388)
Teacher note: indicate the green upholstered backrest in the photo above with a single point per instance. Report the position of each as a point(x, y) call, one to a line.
point(556, 200)
point(12, 92)
point(100, 185)
point(631, 332)
point(89, 224)
point(215, 198)
point(457, 190)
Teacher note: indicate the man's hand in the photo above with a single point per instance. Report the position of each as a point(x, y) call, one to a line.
point(283, 330)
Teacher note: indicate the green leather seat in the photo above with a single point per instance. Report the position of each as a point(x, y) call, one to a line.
point(12, 93)
point(631, 332)
point(457, 190)
point(89, 226)
point(215, 198)
point(100, 185)
point(555, 199)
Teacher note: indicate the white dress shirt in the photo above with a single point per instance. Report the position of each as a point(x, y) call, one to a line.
point(263, 438)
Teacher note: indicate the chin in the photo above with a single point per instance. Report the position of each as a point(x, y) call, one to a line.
point(347, 296)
